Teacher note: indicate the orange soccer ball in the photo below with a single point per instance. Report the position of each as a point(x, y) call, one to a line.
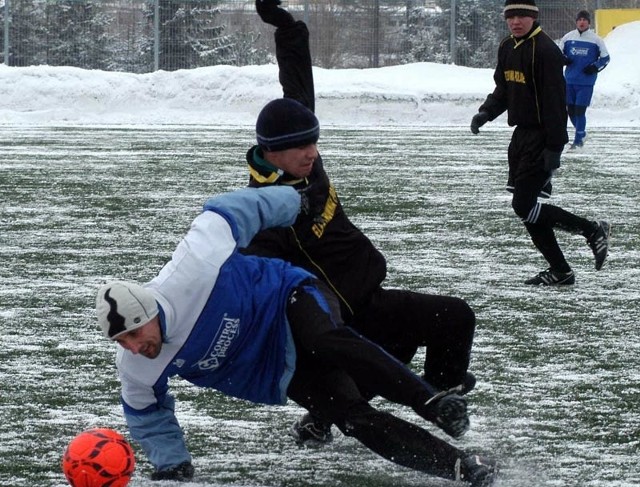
point(98, 457)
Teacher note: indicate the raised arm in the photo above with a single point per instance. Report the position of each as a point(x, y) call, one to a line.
point(250, 210)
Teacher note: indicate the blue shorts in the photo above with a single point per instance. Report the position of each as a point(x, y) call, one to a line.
point(579, 95)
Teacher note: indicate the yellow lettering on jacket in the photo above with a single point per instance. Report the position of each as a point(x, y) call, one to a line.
point(515, 76)
point(327, 214)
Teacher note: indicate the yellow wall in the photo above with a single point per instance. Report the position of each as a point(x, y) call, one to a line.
point(609, 19)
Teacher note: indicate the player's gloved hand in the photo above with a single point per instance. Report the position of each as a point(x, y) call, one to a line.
point(181, 473)
point(551, 160)
point(270, 13)
point(305, 204)
point(590, 69)
point(309, 200)
point(478, 120)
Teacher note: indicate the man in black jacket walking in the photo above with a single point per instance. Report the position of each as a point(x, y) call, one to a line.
point(530, 86)
point(325, 242)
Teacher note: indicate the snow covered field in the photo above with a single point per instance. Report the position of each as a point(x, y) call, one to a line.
point(100, 176)
point(558, 394)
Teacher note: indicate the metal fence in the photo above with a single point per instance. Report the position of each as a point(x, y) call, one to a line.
point(146, 35)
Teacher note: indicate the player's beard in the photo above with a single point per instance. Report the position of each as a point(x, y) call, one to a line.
point(151, 351)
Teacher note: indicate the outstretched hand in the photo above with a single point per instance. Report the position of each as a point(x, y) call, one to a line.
point(478, 120)
point(270, 13)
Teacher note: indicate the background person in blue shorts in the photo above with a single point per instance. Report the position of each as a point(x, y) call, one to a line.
point(585, 56)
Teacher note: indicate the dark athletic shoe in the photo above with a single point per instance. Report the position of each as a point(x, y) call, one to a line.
point(311, 431)
point(476, 470)
point(448, 411)
point(599, 243)
point(468, 384)
point(552, 278)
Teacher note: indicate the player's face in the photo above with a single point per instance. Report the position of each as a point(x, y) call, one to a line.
point(520, 26)
point(582, 24)
point(146, 340)
point(298, 161)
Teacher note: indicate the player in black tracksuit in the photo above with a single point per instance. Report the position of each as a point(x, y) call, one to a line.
point(328, 244)
point(325, 242)
point(530, 86)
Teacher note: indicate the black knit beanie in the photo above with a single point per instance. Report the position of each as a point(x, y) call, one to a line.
point(521, 8)
point(286, 123)
point(583, 14)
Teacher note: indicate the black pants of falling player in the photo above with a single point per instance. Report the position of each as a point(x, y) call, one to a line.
point(527, 172)
point(334, 363)
point(402, 321)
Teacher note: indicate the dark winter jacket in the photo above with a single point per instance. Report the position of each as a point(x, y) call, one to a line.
point(530, 85)
point(324, 242)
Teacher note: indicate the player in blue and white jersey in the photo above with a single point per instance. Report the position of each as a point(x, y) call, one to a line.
point(585, 55)
point(262, 330)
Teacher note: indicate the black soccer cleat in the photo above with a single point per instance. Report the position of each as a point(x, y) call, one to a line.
point(311, 431)
point(476, 470)
point(552, 278)
point(599, 243)
point(448, 411)
point(468, 384)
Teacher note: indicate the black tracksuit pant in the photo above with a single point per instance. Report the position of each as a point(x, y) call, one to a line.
point(528, 176)
point(334, 364)
point(401, 321)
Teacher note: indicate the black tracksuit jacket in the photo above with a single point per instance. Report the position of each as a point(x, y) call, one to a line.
point(325, 241)
point(530, 85)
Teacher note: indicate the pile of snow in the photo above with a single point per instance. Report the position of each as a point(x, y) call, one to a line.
point(413, 94)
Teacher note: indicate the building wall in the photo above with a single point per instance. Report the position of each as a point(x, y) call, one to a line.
point(607, 20)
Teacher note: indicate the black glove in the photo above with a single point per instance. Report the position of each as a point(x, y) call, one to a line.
point(305, 204)
point(551, 160)
point(567, 60)
point(590, 69)
point(181, 473)
point(478, 120)
point(311, 201)
point(270, 13)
